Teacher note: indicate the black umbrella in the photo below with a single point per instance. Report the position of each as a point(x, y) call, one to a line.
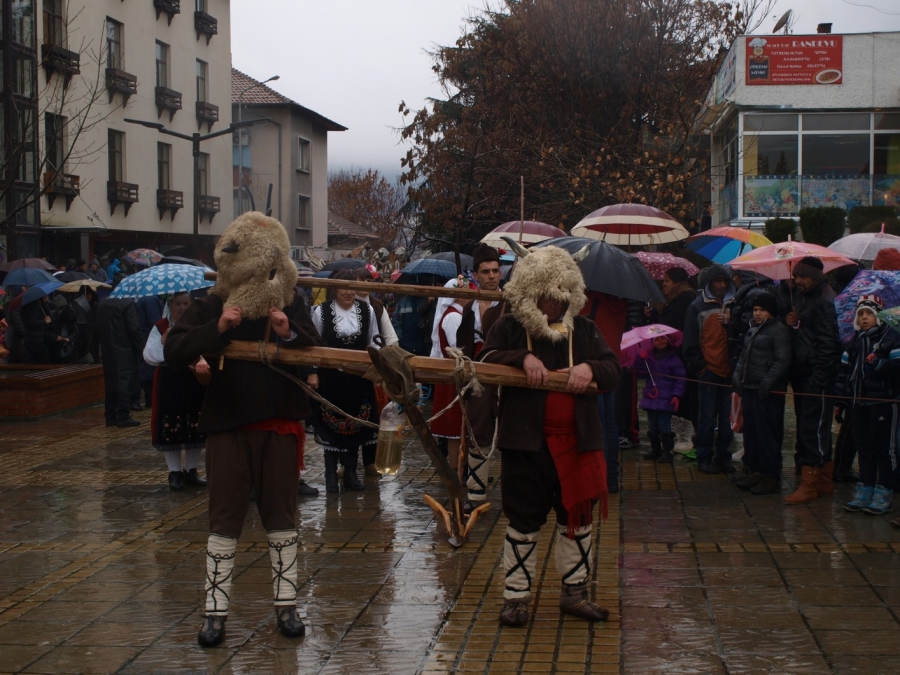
point(178, 260)
point(610, 270)
point(344, 264)
point(464, 259)
point(71, 275)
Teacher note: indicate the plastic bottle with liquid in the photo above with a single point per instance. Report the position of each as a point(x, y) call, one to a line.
point(390, 440)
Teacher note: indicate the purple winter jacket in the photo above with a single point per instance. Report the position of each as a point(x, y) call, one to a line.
point(664, 370)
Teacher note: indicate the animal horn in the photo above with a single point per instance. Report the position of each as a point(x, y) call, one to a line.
point(581, 253)
point(520, 250)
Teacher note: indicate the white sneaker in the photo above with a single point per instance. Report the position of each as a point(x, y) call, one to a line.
point(683, 435)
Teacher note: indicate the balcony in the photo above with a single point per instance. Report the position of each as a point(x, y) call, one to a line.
point(63, 185)
point(208, 206)
point(205, 25)
point(169, 200)
point(207, 113)
point(118, 192)
point(120, 82)
point(170, 7)
point(167, 99)
point(59, 60)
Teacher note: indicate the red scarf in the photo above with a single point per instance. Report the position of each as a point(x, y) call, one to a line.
point(582, 475)
point(283, 427)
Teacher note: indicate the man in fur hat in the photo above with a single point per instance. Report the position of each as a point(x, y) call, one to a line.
point(252, 415)
point(551, 443)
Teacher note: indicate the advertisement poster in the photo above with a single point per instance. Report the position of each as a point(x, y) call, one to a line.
point(844, 192)
point(770, 196)
point(795, 59)
point(886, 191)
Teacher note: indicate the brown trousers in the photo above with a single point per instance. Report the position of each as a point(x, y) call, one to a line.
point(238, 461)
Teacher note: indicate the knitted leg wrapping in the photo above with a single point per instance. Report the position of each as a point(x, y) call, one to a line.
point(573, 556)
point(520, 563)
point(219, 573)
point(283, 556)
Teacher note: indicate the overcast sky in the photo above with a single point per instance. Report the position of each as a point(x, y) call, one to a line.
point(353, 61)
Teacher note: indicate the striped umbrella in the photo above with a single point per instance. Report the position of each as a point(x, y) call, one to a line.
point(531, 231)
point(723, 244)
point(162, 280)
point(630, 225)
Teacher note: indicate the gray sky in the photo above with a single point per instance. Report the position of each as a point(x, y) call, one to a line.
point(353, 61)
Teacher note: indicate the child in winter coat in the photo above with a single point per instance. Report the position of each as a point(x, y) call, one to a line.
point(870, 369)
point(761, 371)
point(662, 395)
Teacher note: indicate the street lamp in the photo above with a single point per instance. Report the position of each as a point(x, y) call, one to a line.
point(195, 140)
point(241, 141)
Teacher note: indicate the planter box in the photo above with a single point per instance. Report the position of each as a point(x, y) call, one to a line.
point(32, 390)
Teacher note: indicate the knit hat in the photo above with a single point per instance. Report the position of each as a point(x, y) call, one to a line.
point(887, 259)
point(483, 254)
point(809, 267)
point(871, 303)
point(766, 301)
point(94, 261)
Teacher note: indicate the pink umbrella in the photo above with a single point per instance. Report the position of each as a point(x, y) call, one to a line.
point(659, 263)
point(777, 260)
point(641, 339)
point(532, 232)
point(630, 225)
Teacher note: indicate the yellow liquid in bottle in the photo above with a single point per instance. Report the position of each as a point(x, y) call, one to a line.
point(388, 452)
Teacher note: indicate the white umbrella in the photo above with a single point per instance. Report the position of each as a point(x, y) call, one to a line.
point(865, 245)
point(630, 225)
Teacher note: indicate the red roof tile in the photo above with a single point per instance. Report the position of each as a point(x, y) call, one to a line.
point(341, 227)
point(256, 93)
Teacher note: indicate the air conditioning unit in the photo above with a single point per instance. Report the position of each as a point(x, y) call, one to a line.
point(297, 253)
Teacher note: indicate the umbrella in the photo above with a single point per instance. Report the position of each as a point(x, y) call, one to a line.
point(71, 275)
point(610, 270)
point(39, 291)
point(78, 285)
point(658, 264)
point(531, 231)
point(777, 261)
point(641, 339)
point(886, 285)
point(28, 263)
point(178, 260)
point(630, 225)
point(162, 280)
point(143, 256)
point(891, 317)
point(438, 268)
point(464, 259)
point(27, 276)
point(344, 264)
point(724, 244)
point(865, 245)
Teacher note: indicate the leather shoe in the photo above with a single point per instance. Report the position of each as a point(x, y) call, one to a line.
point(289, 622)
point(848, 476)
point(137, 407)
point(514, 614)
point(725, 466)
point(127, 422)
point(191, 477)
point(212, 631)
point(176, 481)
point(306, 490)
point(707, 466)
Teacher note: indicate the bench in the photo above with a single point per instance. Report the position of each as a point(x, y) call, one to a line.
point(32, 390)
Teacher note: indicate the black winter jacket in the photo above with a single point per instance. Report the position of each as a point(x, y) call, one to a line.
point(741, 309)
point(765, 361)
point(879, 378)
point(817, 348)
point(121, 344)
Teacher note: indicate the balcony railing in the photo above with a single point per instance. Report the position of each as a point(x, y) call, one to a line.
point(167, 99)
point(56, 59)
point(205, 25)
point(169, 200)
point(170, 7)
point(118, 81)
point(208, 206)
point(207, 113)
point(64, 185)
point(118, 192)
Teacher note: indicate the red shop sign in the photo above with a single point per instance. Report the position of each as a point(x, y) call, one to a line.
point(795, 59)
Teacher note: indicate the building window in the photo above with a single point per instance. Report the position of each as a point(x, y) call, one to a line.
point(163, 165)
point(23, 74)
point(835, 154)
point(22, 22)
point(116, 152)
point(836, 122)
point(304, 217)
point(201, 81)
point(774, 155)
point(114, 45)
point(53, 23)
point(162, 64)
point(303, 154)
point(23, 149)
point(54, 131)
point(203, 173)
point(785, 122)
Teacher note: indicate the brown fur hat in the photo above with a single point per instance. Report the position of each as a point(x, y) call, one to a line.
point(548, 272)
point(255, 268)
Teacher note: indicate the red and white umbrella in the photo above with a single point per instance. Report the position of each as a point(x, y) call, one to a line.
point(531, 231)
point(660, 263)
point(630, 225)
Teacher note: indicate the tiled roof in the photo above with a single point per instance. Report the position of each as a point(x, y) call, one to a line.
point(341, 227)
point(257, 93)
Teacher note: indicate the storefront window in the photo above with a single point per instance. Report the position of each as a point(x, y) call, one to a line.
point(836, 122)
point(835, 154)
point(780, 122)
point(887, 154)
point(887, 121)
point(774, 155)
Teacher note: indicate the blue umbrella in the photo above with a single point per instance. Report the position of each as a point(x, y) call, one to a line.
point(38, 291)
point(438, 268)
point(162, 280)
point(884, 284)
point(27, 276)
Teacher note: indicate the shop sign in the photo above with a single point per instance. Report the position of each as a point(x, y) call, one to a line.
point(844, 192)
point(795, 59)
point(770, 196)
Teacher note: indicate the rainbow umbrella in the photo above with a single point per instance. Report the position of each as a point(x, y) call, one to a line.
point(724, 244)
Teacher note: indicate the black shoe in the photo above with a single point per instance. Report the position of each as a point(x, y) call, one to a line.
point(191, 477)
point(110, 422)
point(848, 476)
point(748, 482)
point(612, 488)
point(306, 490)
point(707, 466)
point(137, 407)
point(351, 482)
point(176, 481)
point(331, 480)
point(766, 486)
point(725, 466)
point(127, 422)
point(212, 631)
point(289, 622)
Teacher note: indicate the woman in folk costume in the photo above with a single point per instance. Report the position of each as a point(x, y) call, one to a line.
point(447, 318)
point(345, 323)
point(551, 443)
point(252, 415)
point(176, 402)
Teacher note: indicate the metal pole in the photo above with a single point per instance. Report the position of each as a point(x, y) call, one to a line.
point(195, 140)
point(240, 208)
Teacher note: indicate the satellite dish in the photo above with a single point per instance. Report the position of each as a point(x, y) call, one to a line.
point(783, 22)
